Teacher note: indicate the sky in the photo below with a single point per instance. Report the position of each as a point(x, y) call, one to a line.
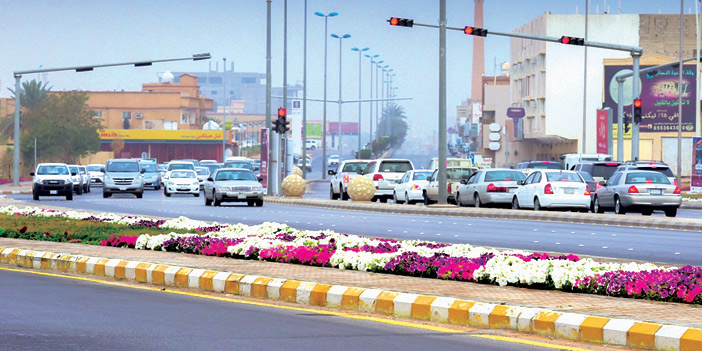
point(76, 32)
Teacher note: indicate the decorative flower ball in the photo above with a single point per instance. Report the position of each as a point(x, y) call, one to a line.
point(297, 171)
point(294, 186)
point(361, 189)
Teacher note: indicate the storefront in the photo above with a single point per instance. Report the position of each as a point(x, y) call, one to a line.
point(164, 145)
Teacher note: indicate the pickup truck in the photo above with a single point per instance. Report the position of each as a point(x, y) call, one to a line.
point(453, 178)
point(342, 175)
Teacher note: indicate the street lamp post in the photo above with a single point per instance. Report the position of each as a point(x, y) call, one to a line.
point(224, 107)
point(359, 93)
point(387, 103)
point(324, 114)
point(18, 92)
point(377, 95)
point(341, 38)
point(370, 123)
point(384, 104)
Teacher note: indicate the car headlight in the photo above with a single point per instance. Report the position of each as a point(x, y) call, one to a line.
point(256, 188)
point(108, 179)
point(197, 182)
point(225, 188)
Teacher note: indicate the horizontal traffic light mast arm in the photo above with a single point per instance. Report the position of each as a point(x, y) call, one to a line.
point(624, 76)
point(350, 101)
point(140, 63)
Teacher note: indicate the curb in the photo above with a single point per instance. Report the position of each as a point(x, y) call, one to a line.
point(684, 224)
point(15, 192)
point(572, 326)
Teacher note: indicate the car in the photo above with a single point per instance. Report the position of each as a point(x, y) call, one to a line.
point(638, 191)
point(552, 189)
point(598, 170)
point(175, 166)
point(243, 163)
point(312, 144)
point(494, 186)
point(450, 162)
point(592, 184)
point(454, 175)
point(341, 177)
point(529, 166)
point(657, 166)
point(202, 174)
point(77, 178)
point(86, 178)
point(182, 181)
point(52, 179)
point(152, 177)
point(207, 162)
point(233, 185)
point(383, 172)
point(308, 164)
point(94, 170)
point(212, 166)
point(123, 176)
point(410, 187)
point(570, 160)
point(333, 160)
point(195, 163)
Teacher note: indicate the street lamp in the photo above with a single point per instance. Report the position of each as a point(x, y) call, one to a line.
point(370, 124)
point(18, 77)
point(341, 38)
point(377, 95)
point(384, 104)
point(224, 108)
point(324, 118)
point(359, 93)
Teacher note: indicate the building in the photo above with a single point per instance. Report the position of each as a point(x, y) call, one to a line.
point(495, 94)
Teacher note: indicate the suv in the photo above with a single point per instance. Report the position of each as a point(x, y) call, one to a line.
point(383, 173)
point(341, 177)
point(123, 176)
point(77, 178)
point(658, 166)
point(52, 179)
point(333, 160)
point(598, 170)
point(95, 172)
point(312, 144)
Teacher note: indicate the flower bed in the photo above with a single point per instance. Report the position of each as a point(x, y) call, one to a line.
point(281, 243)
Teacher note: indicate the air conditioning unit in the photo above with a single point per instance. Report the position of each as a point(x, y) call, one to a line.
point(138, 115)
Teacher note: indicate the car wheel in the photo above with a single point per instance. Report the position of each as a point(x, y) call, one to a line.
point(618, 207)
point(259, 203)
point(197, 195)
point(250, 203)
point(537, 204)
point(344, 194)
point(671, 212)
point(157, 187)
point(35, 196)
point(208, 202)
point(646, 212)
point(596, 208)
point(408, 201)
point(383, 199)
point(427, 202)
point(458, 200)
point(80, 190)
point(476, 199)
point(139, 195)
point(69, 197)
point(515, 203)
point(105, 195)
point(394, 198)
point(216, 202)
point(165, 192)
point(332, 194)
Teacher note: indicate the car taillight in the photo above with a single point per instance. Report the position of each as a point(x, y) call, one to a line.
point(599, 186)
point(648, 181)
point(548, 189)
point(677, 190)
point(675, 182)
point(346, 178)
point(448, 187)
point(587, 190)
point(377, 177)
point(491, 188)
point(633, 190)
point(415, 187)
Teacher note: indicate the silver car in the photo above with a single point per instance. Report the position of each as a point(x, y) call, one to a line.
point(341, 177)
point(495, 186)
point(233, 185)
point(638, 191)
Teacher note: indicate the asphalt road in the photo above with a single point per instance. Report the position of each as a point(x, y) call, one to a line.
point(50, 313)
point(666, 246)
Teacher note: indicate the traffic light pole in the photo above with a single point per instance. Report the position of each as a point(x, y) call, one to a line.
point(620, 120)
point(635, 124)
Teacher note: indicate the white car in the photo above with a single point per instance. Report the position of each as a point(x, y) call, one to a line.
point(202, 174)
point(182, 181)
point(341, 177)
point(493, 186)
point(552, 189)
point(383, 173)
point(96, 174)
point(409, 188)
point(333, 160)
point(52, 179)
point(312, 144)
point(176, 166)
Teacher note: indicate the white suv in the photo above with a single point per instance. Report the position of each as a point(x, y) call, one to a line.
point(383, 173)
point(52, 179)
point(312, 144)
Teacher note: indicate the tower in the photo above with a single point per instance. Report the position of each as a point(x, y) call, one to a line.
point(476, 91)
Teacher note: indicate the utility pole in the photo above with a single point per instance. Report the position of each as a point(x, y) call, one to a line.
point(272, 157)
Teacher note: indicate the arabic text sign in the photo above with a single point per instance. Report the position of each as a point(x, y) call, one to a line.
point(154, 134)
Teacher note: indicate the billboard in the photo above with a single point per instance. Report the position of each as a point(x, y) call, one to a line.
point(659, 95)
point(314, 130)
point(347, 128)
point(159, 134)
point(603, 132)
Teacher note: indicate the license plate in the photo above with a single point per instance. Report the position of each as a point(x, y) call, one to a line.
point(568, 191)
point(242, 196)
point(53, 192)
point(123, 188)
point(512, 190)
point(655, 191)
point(231, 194)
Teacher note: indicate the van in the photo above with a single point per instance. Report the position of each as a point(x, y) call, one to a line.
point(570, 160)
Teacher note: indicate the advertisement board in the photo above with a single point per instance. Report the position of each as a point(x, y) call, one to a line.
point(159, 134)
point(659, 95)
point(604, 131)
point(314, 130)
point(265, 133)
point(696, 173)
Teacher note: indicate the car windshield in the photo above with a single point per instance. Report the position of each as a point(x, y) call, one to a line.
point(122, 167)
point(235, 175)
point(605, 170)
point(421, 175)
point(174, 166)
point(148, 167)
point(244, 165)
point(52, 170)
point(212, 168)
point(82, 170)
point(94, 168)
point(498, 176)
point(586, 176)
point(395, 167)
point(646, 178)
point(182, 174)
point(73, 169)
point(202, 170)
point(563, 177)
point(459, 173)
point(545, 165)
point(662, 170)
point(354, 167)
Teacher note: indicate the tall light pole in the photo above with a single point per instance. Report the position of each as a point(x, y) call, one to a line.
point(387, 103)
point(304, 99)
point(370, 122)
point(377, 95)
point(384, 104)
point(324, 114)
point(442, 103)
point(341, 39)
point(224, 107)
point(271, 157)
point(360, 53)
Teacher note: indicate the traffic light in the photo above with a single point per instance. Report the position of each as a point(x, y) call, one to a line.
point(401, 22)
point(637, 110)
point(572, 41)
point(282, 125)
point(276, 125)
point(481, 32)
point(627, 124)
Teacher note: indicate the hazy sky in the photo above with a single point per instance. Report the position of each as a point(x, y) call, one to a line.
point(76, 32)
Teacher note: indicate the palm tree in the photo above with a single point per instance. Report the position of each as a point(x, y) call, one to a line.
point(398, 124)
point(33, 93)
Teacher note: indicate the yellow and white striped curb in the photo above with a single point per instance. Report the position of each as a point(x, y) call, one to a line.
point(15, 192)
point(574, 326)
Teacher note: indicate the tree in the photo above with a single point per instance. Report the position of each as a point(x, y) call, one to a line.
point(64, 128)
point(33, 93)
point(398, 124)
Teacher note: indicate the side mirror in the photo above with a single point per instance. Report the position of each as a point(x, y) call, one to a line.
point(331, 172)
point(397, 181)
point(143, 170)
point(520, 182)
point(603, 183)
point(463, 181)
point(260, 179)
point(360, 172)
point(74, 174)
point(102, 169)
point(31, 174)
point(257, 169)
point(209, 179)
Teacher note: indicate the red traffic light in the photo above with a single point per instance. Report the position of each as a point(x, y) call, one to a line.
point(394, 21)
point(565, 40)
point(481, 32)
point(282, 113)
point(572, 41)
point(468, 30)
point(401, 22)
point(637, 103)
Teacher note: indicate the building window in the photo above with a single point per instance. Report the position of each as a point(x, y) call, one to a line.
point(201, 80)
point(98, 114)
point(248, 80)
point(170, 125)
point(214, 92)
point(126, 115)
point(215, 80)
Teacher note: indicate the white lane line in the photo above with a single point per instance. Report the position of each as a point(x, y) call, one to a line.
point(605, 247)
point(677, 253)
point(614, 234)
point(630, 249)
point(557, 243)
point(455, 236)
point(581, 245)
point(437, 234)
point(536, 241)
point(421, 233)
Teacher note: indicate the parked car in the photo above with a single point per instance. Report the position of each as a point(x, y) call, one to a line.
point(312, 144)
point(152, 177)
point(175, 166)
point(341, 177)
point(638, 191)
point(123, 176)
point(410, 187)
point(552, 189)
point(95, 172)
point(307, 164)
point(529, 166)
point(453, 178)
point(495, 186)
point(657, 166)
point(86, 178)
point(383, 172)
point(450, 162)
point(592, 184)
point(333, 160)
point(202, 174)
point(182, 181)
point(233, 185)
point(52, 179)
point(570, 160)
point(598, 170)
point(78, 179)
